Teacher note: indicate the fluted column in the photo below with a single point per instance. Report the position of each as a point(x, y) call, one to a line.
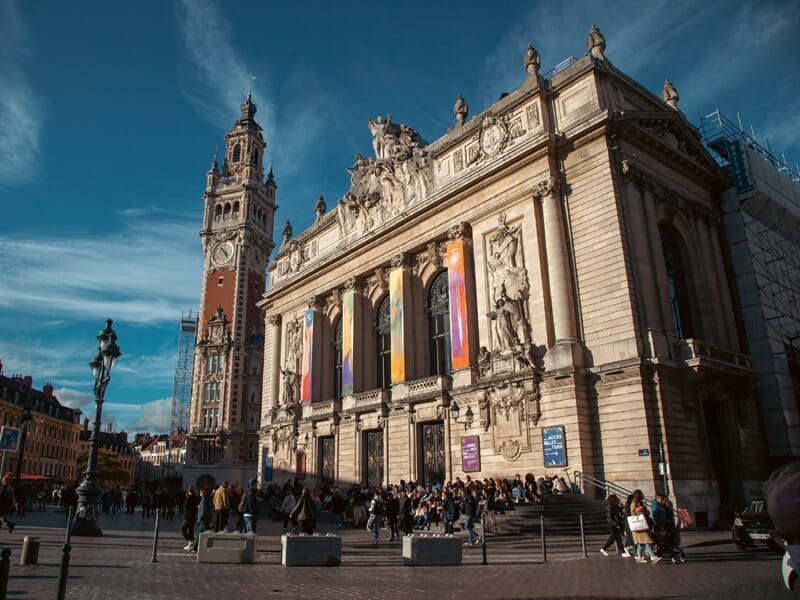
point(272, 361)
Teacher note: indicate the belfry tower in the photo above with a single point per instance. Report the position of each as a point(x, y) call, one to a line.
point(239, 209)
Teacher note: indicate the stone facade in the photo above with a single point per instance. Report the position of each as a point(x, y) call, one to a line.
point(555, 267)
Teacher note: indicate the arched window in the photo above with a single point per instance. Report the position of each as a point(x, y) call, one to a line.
point(236, 208)
point(237, 153)
point(217, 212)
point(439, 326)
point(383, 329)
point(677, 284)
point(337, 359)
point(227, 212)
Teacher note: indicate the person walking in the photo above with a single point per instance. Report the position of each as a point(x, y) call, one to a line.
point(6, 502)
point(615, 518)
point(205, 516)
point(470, 512)
point(69, 500)
point(190, 508)
point(305, 513)
point(376, 510)
point(287, 506)
point(643, 538)
point(405, 512)
point(250, 505)
point(392, 512)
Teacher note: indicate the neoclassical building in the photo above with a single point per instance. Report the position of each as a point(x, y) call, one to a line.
point(544, 288)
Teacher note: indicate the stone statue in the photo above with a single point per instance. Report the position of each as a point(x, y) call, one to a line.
point(596, 43)
point(460, 110)
point(531, 61)
point(286, 232)
point(669, 94)
point(380, 133)
point(320, 207)
point(289, 384)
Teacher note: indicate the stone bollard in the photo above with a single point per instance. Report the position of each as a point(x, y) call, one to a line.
point(431, 550)
point(311, 550)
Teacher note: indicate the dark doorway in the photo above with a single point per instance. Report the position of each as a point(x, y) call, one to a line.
point(373, 458)
point(327, 458)
point(722, 455)
point(433, 453)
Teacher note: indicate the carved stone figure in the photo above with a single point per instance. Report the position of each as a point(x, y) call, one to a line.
point(596, 43)
point(460, 110)
point(294, 346)
point(379, 129)
point(509, 288)
point(320, 207)
point(290, 380)
point(286, 232)
point(669, 94)
point(382, 187)
point(531, 61)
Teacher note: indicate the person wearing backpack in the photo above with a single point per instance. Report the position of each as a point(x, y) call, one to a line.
point(376, 510)
point(248, 507)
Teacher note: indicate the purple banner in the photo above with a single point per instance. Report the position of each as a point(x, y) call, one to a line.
point(470, 453)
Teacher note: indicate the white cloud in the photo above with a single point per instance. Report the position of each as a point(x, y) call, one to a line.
point(153, 417)
point(20, 111)
point(146, 273)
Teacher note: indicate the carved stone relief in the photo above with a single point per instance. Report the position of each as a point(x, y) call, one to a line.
point(382, 187)
point(508, 415)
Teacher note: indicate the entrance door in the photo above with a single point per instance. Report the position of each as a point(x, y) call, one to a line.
point(433, 453)
point(327, 459)
point(374, 458)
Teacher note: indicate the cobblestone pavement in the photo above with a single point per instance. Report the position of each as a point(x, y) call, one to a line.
point(118, 565)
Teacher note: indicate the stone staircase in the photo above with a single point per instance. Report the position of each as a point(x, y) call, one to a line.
point(561, 517)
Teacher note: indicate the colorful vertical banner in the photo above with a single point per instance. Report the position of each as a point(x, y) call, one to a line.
point(348, 325)
point(459, 336)
point(396, 322)
point(308, 337)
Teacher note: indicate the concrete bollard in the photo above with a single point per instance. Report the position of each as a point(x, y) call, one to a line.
point(30, 550)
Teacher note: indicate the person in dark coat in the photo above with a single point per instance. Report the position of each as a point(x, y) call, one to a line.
point(405, 512)
point(69, 499)
point(205, 514)
point(190, 508)
point(305, 512)
point(6, 502)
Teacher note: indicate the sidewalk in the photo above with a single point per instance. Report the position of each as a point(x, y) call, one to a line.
point(117, 564)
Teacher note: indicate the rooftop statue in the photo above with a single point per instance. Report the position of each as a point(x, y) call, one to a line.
point(596, 43)
point(531, 61)
point(669, 94)
point(460, 110)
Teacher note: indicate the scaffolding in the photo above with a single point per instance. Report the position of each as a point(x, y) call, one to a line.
point(182, 384)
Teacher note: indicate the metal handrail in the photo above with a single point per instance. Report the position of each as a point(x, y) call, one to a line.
point(607, 486)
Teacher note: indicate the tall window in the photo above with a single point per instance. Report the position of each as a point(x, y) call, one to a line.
point(237, 153)
point(210, 419)
point(383, 329)
point(337, 359)
point(211, 392)
point(439, 326)
point(677, 284)
point(213, 364)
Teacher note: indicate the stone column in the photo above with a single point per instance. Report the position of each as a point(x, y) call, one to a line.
point(566, 351)
point(272, 362)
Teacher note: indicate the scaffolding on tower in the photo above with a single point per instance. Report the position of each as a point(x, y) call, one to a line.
point(182, 384)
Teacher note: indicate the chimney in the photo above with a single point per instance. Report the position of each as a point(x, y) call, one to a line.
point(86, 424)
point(47, 390)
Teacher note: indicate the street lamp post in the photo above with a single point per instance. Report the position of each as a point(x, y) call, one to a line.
point(26, 420)
point(89, 491)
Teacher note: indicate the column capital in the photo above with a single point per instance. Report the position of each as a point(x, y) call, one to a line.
point(274, 320)
point(460, 231)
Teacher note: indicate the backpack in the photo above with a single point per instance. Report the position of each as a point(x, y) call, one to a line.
point(456, 511)
point(377, 506)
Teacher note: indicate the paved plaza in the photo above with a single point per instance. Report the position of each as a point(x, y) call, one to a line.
point(118, 566)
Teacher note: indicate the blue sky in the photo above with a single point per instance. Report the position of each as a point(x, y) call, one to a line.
point(110, 114)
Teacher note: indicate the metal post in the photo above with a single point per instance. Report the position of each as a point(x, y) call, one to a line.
point(663, 467)
point(155, 538)
point(70, 516)
point(5, 563)
point(62, 574)
point(544, 543)
point(483, 536)
point(583, 537)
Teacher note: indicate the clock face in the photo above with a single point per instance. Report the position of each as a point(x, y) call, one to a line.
point(222, 253)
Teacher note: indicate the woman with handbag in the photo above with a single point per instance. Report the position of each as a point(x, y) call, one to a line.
point(615, 519)
point(640, 529)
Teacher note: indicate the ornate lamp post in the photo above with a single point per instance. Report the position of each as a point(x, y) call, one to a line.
point(89, 490)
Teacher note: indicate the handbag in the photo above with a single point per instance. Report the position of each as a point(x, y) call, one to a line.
point(638, 523)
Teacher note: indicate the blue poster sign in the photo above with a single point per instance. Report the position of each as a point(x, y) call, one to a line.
point(266, 467)
point(9, 439)
point(554, 450)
